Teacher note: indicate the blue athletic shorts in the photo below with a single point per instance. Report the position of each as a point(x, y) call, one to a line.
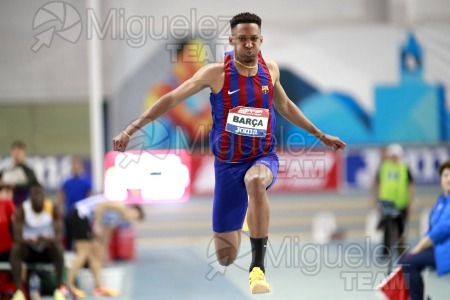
point(230, 195)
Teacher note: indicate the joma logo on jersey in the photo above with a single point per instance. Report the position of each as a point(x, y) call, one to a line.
point(265, 89)
point(246, 131)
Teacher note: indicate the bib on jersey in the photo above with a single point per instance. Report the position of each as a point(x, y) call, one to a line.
point(248, 121)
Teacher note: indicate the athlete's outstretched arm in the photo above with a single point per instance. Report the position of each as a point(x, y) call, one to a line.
point(201, 79)
point(293, 114)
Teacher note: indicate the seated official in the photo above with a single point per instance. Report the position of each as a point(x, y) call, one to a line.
point(433, 250)
point(37, 238)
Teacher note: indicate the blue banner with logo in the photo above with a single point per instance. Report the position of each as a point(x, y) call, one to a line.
point(361, 165)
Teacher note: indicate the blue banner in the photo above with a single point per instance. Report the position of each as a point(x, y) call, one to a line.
point(361, 165)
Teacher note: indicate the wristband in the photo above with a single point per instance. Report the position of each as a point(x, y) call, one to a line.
point(124, 132)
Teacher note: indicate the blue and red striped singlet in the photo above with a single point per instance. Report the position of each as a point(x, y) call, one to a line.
point(243, 114)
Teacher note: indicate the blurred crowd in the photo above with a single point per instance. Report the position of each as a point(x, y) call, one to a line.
point(37, 230)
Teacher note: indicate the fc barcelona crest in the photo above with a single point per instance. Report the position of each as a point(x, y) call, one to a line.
point(265, 89)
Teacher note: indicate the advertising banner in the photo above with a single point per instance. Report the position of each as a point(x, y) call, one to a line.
point(147, 176)
point(361, 165)
point(303, 172)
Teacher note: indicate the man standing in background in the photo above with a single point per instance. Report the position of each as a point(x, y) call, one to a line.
point(394, 185)
point(74, 189)
point(19, 176)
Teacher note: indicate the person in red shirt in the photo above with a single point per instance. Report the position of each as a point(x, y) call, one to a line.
point(6, 213)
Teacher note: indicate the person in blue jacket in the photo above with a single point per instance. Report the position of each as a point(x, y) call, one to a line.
point(434, 248)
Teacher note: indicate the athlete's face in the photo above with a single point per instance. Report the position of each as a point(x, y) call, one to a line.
point(246, 39)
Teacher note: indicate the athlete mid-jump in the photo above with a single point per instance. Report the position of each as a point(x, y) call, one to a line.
point(245, 90)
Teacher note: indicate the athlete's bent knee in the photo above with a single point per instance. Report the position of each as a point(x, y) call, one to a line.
point(255, 183)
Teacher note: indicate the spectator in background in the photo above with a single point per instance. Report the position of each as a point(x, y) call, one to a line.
point(434, 248)
point(394, 184)
point(75, 188)
point(93, 219)
point(37, 238)
point(6, 214)
point(19, 175)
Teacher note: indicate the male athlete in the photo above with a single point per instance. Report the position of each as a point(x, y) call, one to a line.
point(245, 89)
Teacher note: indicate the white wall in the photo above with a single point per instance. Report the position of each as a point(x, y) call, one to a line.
point(60, 72)
point(337, 45)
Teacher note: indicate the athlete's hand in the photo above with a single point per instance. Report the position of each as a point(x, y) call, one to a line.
point(120, 142)
point(332, 141)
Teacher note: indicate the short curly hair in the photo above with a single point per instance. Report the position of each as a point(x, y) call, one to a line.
point(245, 17)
